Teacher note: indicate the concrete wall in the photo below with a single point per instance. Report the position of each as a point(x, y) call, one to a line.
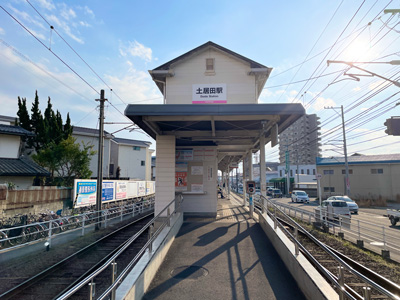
point(9, 146)
point(149, 152)
point(241, 88)
point(33, 200)
point(129, 161)
point(21, 182)
point(363, 184)
point(165, 164)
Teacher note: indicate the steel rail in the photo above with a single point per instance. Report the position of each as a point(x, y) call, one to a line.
point(16, 290)
point(90, 278)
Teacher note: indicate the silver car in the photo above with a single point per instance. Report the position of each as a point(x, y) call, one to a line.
point(300, 196)
point(353, 207)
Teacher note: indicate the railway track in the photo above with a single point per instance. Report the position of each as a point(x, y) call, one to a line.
point(53, 281)
point(352, 283)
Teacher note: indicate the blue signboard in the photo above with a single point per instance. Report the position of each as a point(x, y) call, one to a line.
point(86, 192)
point(107, 193)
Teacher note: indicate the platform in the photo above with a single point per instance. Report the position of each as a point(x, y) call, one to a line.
point(227, 257)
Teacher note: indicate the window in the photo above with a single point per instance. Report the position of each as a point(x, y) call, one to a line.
point(210, 65)
point(280, 173)
point(308, 171)
point(111, 169)
point(376, 171)
point(313, 171)
point(302, 171)
point(328, 172)
point(328, 189)
point(142, 163)
point(136, 148)
point(350, 171)
point(291, 173)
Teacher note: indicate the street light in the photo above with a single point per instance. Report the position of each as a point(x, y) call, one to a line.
point(352, 65)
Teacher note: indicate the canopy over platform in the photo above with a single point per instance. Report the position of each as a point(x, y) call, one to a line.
point(235, 128)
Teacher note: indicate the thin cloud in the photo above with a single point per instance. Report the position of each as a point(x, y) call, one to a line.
point(136, 49)
point(47, 4)
point(64, 26)
point(2, 31)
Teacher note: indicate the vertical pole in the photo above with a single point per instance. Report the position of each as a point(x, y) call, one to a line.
point(92, 290)
point(100, 160)
point(341, 282)
point(250, 176)
point(113, 277)
point(347, 181)
point(237, 180)
point(287, 170)
point(263, 169)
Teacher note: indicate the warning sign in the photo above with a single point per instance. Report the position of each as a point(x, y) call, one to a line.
point(180, 181)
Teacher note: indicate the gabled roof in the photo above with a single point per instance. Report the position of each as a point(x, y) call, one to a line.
point(160, 73)
point(132, 142)
point(14, 130)
point(89, 132)
point(21, 167)
point(252, 63)
point(359, 159)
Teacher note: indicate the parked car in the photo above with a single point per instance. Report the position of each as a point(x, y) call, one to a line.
point(300, 196)
point(269, 191)
point(333, 209)
point(276, 193)
point(352, 205)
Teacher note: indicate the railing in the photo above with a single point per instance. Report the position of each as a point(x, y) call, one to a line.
point(165, 219)
point(272, 209)
point(47, 230)
point(364, 234)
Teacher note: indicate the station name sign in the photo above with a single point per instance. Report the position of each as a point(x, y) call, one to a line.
point(209, 93)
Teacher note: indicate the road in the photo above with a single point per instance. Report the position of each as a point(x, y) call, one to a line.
point(370, 225)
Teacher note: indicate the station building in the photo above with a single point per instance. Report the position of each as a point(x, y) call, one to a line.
point(210, 120)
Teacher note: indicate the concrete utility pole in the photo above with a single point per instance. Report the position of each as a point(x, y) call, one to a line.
point(346, 163)
point(100, 160)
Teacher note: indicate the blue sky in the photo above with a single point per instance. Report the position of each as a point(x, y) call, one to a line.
point(122, 40)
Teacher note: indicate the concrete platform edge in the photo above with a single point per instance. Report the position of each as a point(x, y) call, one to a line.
point(137, 282)
point(312, 284)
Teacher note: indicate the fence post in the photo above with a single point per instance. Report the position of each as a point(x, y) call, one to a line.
point(133, 209)
point(275, 221)
point(105, 219)
point(341, 282)
point(92, 290)
point(50, 232)
point(122, 209)
point(367, 293)
point(113, 277)
point(83, 224)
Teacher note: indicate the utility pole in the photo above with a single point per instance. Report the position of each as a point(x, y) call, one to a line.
point(346, 163)
point(287, 170)
point(100, 160)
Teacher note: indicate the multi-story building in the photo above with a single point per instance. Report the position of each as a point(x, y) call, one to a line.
point(302, 141)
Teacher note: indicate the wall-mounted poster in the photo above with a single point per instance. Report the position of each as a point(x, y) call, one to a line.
point(181, 166)
point(197, 170)
point(107, 191)
point(86, 192)
point(184, 154)
point(209, 173)
point(197, 188)
point(180, 181)
point(120, 190)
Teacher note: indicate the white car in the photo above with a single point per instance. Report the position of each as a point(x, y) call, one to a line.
point(300, 196)
point(333, 209)
point(350, 203)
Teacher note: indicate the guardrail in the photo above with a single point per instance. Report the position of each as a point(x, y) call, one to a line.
point(47, 230)
point(272, 209)
point(363, 234)
point(165, 219)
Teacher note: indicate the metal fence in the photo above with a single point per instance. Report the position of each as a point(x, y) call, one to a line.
point(163, 219)
point(274, 209)
point(18, 236)
point(379, 239)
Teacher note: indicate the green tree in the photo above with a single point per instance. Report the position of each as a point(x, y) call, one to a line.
point(67, 127)
point(23, 116)
point(66, 161)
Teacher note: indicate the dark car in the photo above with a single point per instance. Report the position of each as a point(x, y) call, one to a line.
point(276, 193)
